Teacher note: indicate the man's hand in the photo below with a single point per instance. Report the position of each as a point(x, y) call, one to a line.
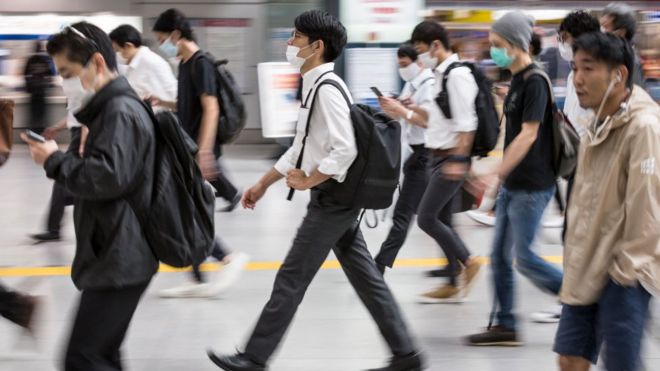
point(392, 107)
point(51, 132)
point(253, 195)
point(488, 185)
point(40, 151)
point(454, 170)
point(298, 180)
point(206, 162)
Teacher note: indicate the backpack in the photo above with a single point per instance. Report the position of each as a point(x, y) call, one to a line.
point(179, 219)
point(374, 175)
point(232, 118)
point(488, 127)
point(566, 140)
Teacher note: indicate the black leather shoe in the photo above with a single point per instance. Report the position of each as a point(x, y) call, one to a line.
point(236, 362)
point(443, 273)
point(411, 362)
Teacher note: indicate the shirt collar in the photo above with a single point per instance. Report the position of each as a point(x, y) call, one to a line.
point(312, 75)
point(135, 62)
point(419, 79)
point(442, 67)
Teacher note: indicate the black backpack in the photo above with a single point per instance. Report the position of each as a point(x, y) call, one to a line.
point(232, 118)
point(488, 128)
point(374, 175)
point(565, 139)
point(179, 219)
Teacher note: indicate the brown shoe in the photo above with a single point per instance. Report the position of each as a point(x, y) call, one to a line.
point(23, 311)
point(469, 274)
point(448, 294)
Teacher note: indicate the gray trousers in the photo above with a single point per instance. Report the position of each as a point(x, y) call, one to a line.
point(435, 214)
point(326, 227)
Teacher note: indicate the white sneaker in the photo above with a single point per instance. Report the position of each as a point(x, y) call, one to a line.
point(547, 316)
point(188, 290)
point(482, 217)
point(229, 273)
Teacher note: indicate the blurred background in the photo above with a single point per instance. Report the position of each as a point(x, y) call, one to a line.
point(252, 35)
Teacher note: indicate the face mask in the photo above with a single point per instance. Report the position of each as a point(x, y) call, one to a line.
point(566, 52)
point(410, 72)
point(500, 57)
point(293, 58)
point(168, 48)
point(75, 93)
point(595, 129)
point(427, 61)
point(87, 93)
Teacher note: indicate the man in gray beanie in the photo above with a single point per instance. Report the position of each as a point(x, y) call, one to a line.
point(525, 179)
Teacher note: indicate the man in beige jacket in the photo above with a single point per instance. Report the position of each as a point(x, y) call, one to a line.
point(612, 249)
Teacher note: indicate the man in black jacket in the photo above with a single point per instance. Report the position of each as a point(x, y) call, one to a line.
point(113, 264)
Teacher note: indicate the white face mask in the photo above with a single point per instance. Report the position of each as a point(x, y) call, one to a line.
point(427, 61)
point(293, 58)
point(566, 51)
point(410, 72)
point(169, 48)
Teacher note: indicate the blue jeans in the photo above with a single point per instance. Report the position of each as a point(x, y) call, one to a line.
point(617, 319)
point(518, 216)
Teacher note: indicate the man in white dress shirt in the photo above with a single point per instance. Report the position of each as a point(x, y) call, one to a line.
point(418, 91)
point(330, 150)
point(147, 72)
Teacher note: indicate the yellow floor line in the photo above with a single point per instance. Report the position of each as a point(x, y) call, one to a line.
point(254, 266)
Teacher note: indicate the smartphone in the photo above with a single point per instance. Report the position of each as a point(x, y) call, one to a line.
point(34, 136)
point(376, 91)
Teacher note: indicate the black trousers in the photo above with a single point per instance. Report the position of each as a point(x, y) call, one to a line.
point(59, 199)
point(99, 328)
point(436, 211)
point(223, 186)
point(415, 180)
point(327, 226)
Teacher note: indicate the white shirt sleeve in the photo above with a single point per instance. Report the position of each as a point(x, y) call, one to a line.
point(462, 90)
point(287, 161)
point(165, 80)
point(333, 110)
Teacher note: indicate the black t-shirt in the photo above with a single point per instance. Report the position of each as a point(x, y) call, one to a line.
point(191, 88)
point(528, 101)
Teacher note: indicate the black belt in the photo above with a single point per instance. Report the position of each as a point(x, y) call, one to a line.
point(417, 147)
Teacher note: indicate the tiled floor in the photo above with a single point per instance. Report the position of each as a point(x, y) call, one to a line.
point(332, 331)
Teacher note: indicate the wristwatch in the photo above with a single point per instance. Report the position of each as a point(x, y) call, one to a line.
point(410, 114)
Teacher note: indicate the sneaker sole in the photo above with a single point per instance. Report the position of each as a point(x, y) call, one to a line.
point(499, 344)
point(457, 300)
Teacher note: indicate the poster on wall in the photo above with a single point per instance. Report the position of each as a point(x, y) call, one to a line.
point(380, 20)
point(367, 67)
point(278, 89)
point(226, 39)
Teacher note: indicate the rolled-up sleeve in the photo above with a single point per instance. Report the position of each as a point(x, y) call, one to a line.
point(287, 161)
point(463, 91)
point(335, 112)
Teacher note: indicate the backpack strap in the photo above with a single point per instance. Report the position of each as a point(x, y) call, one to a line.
point(540, 72)
point(421, 84)
point(313, 95)
point(445, 78)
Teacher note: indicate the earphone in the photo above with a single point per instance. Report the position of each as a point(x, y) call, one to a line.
point(619, 77)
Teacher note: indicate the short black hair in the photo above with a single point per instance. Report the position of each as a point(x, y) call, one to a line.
point(535, 44)
point(428, 31)
point(81, 44)
point(578, 23)
point(610, 49)
point(407, 50)
point(623, 18)
point(174, 20)
point(321, 25)
point(126, 34)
